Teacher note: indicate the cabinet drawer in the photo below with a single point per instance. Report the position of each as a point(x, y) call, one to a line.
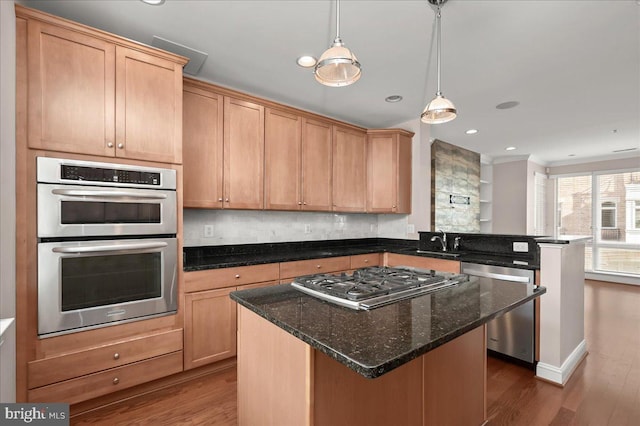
point(56, 369)
point(108, 381)
point(442, 265)
point(229, 277)
point(364, 260)
point(314, 266)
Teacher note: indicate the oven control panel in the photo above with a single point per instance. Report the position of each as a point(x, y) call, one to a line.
point(98, 174)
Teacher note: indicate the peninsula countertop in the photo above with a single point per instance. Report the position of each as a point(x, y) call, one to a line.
point(375, 342)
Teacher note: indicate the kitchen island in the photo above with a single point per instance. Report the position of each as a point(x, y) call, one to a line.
point(416, 361)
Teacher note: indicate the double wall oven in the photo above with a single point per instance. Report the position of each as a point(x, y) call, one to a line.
point(107, 248)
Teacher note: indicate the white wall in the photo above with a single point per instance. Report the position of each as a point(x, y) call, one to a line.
point(246, 227)
point(7, 197)
point(510, 197)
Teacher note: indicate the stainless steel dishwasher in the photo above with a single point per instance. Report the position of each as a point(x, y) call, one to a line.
point(512, 334)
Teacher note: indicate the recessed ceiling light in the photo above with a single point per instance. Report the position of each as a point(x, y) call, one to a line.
point(510, 148)
point(306, 61)
point(572, 155)
point(508, 104)
point(471, 131)
point(393, 98)
point(153, 2)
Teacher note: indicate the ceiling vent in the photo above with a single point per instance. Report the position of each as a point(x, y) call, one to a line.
point(196, 57)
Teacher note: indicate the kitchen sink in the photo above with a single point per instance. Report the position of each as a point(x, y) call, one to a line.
point(439, 253)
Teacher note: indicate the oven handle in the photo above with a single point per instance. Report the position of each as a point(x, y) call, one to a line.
point(504, 277)
point(110, 248)
point(108, 194)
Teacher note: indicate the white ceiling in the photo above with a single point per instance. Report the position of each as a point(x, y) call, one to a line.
point(573, 65)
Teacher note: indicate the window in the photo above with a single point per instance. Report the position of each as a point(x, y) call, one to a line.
point(608, 214)
point(606, 207)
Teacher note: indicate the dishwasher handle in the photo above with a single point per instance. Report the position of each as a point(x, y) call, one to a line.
point(505, 277)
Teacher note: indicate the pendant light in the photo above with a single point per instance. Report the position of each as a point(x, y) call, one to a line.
point(337, 66)
point(440, 109)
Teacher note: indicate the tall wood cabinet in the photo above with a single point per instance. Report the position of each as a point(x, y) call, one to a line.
point(389, 171)
point(317, 161)
point(94, 93)
point(349, 170)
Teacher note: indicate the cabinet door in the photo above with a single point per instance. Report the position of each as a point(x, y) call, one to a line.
point(71, 80)
point(282, 160)
point(316, 165)
point(210, 327)
point(243, 154)
point(148, 107)
point(404, 173)
point(382, 171)
point(349, 170)
point(202, 141)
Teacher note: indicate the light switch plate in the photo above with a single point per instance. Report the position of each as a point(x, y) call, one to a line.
point(520, 247)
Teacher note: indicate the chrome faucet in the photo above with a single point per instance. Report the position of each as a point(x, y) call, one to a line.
point(442, 239)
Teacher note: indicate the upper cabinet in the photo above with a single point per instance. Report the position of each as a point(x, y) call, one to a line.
point(223, 143)
point(93, 93)
point(243, 154)
point(297, 162)
point(349, 169)
point(202, 153)
point(389, 171)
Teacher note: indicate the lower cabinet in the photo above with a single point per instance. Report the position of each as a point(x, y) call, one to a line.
point(210, 314)
point(210, 327)
point(81, 375)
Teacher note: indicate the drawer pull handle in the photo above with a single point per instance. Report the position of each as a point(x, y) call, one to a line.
point(116, 356)
point(219, 199)
point(120, 145)
point(366, 261)
point(110, 144)
point(237, 275)
point(116, 381)
point(318, 266)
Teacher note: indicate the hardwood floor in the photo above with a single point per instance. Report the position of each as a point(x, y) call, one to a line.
point(604, 390)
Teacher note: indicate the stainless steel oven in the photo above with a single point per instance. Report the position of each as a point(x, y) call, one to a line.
point(107, 248)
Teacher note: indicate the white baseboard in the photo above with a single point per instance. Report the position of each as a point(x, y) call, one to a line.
point(561, 375)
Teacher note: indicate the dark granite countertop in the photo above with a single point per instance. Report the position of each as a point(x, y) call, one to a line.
point(214, 257)
point(375, 342)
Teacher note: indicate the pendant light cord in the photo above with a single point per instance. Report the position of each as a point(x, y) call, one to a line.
point(337, 19)
point(439, 35)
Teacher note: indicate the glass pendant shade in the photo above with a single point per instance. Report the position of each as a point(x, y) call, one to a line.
point(439, 110)
point(337, 66)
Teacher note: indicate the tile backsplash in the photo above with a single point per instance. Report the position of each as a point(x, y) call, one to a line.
point(250, 226)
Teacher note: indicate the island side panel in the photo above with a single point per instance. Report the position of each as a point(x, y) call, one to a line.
point(344, 397)
point(274, 374)
point(455, 381)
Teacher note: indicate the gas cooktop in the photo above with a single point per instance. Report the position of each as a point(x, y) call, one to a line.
point(372, 287)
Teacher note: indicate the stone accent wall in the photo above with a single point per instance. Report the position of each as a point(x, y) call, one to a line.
point(455, 188)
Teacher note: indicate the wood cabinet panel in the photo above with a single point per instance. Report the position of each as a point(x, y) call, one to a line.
point(282, 160)
point(98, 384)
point(456, 402)
point(365, 260)
point(148, 107)
point(230, 277)
point(442, 265)
point(55, 369)
point(243, 154)
point(389, 171)
point(210, 327)
point(349, 170)
point(314, 266)
point(71, 80)
point(316, 165)
point(202, 143)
